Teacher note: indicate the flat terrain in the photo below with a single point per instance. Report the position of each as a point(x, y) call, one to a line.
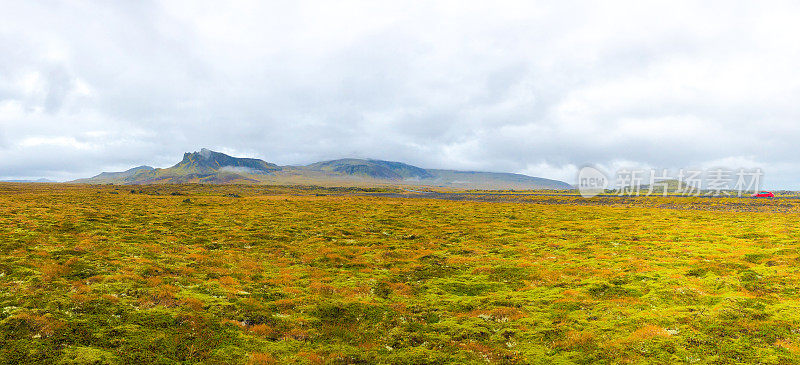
point(259, 274)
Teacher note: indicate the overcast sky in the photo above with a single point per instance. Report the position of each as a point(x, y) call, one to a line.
point(535, 88)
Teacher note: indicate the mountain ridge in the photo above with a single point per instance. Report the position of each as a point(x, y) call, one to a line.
point(207, 161)
point(210, 167)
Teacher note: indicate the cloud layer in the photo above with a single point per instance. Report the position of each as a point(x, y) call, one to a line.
point(536, 88)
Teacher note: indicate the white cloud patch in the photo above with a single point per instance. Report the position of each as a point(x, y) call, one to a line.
point(64, 142)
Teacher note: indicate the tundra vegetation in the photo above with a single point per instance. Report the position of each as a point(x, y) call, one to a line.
point(260, 274)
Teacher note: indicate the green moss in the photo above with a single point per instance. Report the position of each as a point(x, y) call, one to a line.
point(283, 274)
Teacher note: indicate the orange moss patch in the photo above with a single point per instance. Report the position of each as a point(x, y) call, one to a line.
point(311, 357)
point(262, 330)
point(576, 340)
point(647, 332)
point(261, 359)
point(788, 345)
point(194, 303)
point(228, 281)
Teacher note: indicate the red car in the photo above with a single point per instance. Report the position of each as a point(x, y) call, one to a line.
point(763, 194)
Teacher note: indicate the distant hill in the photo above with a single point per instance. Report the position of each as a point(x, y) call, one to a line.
point(30, 181)
point(211, 167)
point(672, 185)
point(205, 166)
point(114, 177)
point(494, 180)
point(209, 162)
point(375, 169)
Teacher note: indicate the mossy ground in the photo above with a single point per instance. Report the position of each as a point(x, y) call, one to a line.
point(100, 274)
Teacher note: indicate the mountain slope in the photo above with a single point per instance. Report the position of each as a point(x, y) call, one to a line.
point(114, 177)
point(205, 166)
point(209, 162)
point(209, 167)
point(672, 185)
point(376, 169)
point(494, 180)
point(41, 180)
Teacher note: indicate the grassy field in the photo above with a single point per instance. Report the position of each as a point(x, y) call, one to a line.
point(258, 274)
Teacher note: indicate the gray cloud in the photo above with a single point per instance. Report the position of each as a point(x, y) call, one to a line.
point(538, 88)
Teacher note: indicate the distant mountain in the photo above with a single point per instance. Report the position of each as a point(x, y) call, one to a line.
point(43, 180)
point(114, 177)
point(209, 167)
point(209, 162)
point(672, 186)
point(206, 167)
point(375, 169)
point(494, 180)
